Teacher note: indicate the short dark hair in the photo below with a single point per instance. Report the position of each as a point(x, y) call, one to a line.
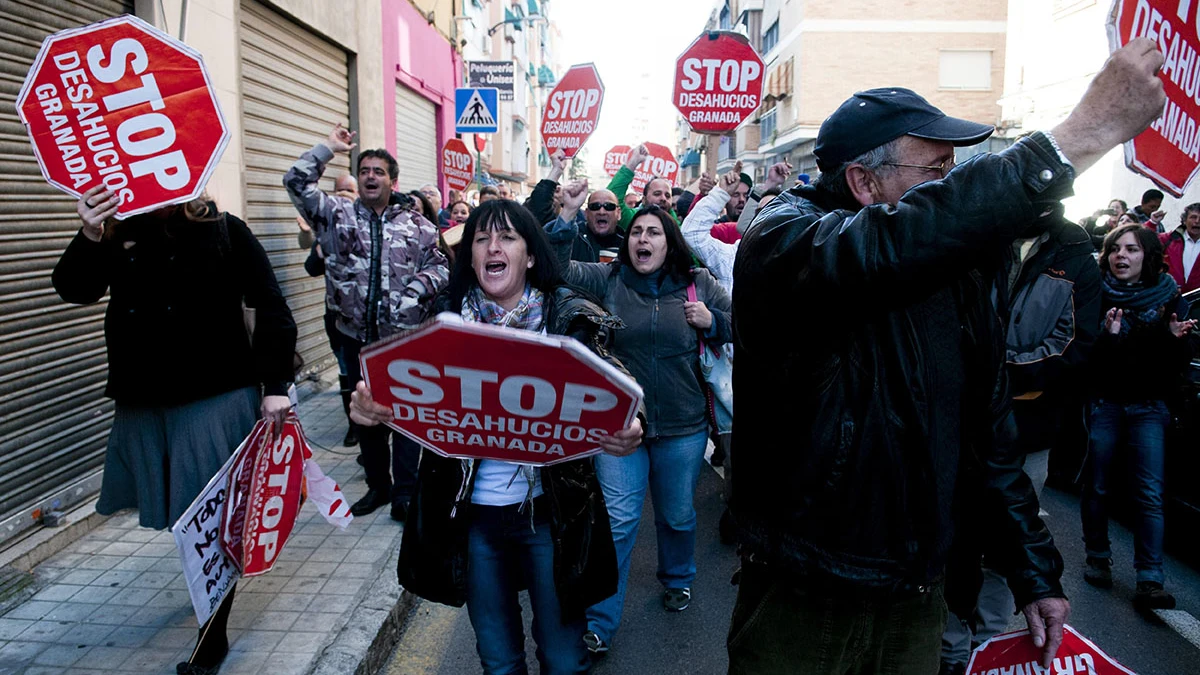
point(649, 183)
point(489, 190)
point(380, 153)
point(679, 255)
point(1151, 195)
point(1119, 201)
point(504, 214)
point(1154, 262)
point(676, 191)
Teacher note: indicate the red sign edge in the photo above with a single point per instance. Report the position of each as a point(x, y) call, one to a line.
point(599, 105)
point(610, 373)
point(713, 35)
point(1066, 629)
point(181, 46)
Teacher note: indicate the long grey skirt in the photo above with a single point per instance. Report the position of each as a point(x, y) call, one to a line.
point(160, 458)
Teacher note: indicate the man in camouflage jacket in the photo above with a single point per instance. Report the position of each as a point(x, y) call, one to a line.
point(384, 267)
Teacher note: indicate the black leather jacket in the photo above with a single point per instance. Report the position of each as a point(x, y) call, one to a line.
point(836, 477)
point(433, 551)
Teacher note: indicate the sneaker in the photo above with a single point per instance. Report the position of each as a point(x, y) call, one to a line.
point(1098, 572)
point(1150, 595)
point(594, 644)
point(677, 599)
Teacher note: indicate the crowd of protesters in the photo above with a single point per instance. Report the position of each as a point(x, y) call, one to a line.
point(910, 339)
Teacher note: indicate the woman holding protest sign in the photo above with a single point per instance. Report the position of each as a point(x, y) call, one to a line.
point(478, 531)
point(187, 380)
point(667, 308)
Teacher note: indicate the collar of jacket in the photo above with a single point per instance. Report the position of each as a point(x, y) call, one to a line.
point(642, 284)
point(389, 212)
point(825, 199)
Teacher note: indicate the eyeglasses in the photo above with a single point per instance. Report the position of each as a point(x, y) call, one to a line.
point(607, 206)
point(942, 169)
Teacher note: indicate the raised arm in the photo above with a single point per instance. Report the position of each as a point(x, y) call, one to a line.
point(314, 205)
point(591, 277)
point(619, 184)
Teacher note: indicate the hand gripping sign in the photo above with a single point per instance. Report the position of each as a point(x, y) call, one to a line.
point(124, 104)
point(457, 165)
point(1167, 153)
point(1014, 653)
point(474, 390)
point(572, 110)
point(718, 82)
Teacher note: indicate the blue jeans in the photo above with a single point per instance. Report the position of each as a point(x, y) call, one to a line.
point(504, 555)
point(1142, 427)
point(670, 466)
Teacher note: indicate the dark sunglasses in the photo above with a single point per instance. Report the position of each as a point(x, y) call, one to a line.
point(607, 206)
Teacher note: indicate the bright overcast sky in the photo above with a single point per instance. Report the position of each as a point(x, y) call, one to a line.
point(633, 43)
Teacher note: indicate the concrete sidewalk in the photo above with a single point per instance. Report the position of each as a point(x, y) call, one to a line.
point(115, 601)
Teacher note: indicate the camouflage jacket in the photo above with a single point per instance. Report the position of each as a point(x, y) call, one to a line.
point(413, 270)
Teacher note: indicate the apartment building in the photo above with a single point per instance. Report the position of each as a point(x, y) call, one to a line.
point(819, 52)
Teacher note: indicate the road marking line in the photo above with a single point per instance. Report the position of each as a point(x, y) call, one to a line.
point(1185, 624)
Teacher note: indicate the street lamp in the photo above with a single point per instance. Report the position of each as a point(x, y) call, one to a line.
point(517, 20)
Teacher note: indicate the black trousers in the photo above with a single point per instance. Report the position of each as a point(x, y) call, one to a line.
point(377, 458)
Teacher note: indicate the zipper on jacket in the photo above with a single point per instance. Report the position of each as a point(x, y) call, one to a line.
point(373, 284)
point(654, 355)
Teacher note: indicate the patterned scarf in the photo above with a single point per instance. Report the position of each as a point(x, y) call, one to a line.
point(527, 315)
point(1143, 304)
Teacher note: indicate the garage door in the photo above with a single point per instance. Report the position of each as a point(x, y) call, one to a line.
point(294, 86)
point(416, 139)
point(54, 419)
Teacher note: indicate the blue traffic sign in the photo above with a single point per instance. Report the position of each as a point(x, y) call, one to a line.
point(476, 111)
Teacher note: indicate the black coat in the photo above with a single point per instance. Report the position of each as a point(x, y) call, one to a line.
point(836, 476)
point(433, 552)
point(175, 328)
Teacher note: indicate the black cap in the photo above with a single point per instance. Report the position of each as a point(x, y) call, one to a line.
point(871, 118)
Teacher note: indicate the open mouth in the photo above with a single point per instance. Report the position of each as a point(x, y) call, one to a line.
point(495, 268)
point(643, 255)
point(1121, 266)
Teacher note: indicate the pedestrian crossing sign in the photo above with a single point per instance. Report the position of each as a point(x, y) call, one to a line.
point(476, 110)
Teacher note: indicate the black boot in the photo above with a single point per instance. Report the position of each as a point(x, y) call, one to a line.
point(347, 384)
point(213, 643)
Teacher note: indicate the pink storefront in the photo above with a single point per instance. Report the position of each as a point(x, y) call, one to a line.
point(421, 71)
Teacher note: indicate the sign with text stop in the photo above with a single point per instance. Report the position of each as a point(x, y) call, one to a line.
point(660, 164)
point(615, 158)
point(457, 165)
point(124, 104)
point(1015, 653)
point(572, 110)
point(718, 82)
point(1167, 153)
point(480, 391)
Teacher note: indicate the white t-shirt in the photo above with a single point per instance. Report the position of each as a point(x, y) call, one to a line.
point(500, 483)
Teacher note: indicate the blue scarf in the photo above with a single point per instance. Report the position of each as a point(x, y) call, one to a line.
point(1142, 304)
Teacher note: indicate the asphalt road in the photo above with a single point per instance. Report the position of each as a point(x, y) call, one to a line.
point(439, 640)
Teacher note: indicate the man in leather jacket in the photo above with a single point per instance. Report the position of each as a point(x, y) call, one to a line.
point(874, 411)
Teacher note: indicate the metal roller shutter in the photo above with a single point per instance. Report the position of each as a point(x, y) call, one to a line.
point(294, 86)
point(54, 419)
point(416, 139)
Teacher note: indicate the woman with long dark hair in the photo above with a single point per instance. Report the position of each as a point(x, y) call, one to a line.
point(188, 379)
point(667, 308)
point(1139, 356)
point(479, 531)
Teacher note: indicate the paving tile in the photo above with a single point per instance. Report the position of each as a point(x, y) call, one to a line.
point(70, 611)
point(11, 628)
point(31, 609)
point(355, 571)
point(60, 655)
point(252, 601)
point(295, 554)
point(157, 551)
point(172, 638)
point(306, 585)
point(111, 615)
point(82, 671)
point(369, 556)
point(136, 597)
point(129, 636)
point(316, 569)
point(329, 554)
point(341, 586)
point(291, 663)
point(116, 578)
point(341, 543)
point(57, 593)
point(46, 631)
point(378, 542)
point(243, 619)
point(94, 595)
point(257, 640)
point(121, 548)
point(108, 658)
point(289, 602)
point(246, 663)
point(64, 559)
point(86, 634)
point(304, 541)
point(286, 568)
point(136, 564)
point(141, 534)
point(170, 598)
point(155, 580)
point(95, 561)
point(274, 620)
point(43, 670)
point(79, 577)
point(154, 617)
point(269, 583)
point(19, 653)
point(152, 660)
point(301, 643)
point(336, 603)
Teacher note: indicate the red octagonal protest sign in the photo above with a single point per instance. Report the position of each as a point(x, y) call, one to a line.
point(1015, 653)
point(474, 390)
point(572, 110)
point(718, 82)
point(660, 164)
point(1167, 153)
point(457, 165)
point(122, 103)
point(615, 158)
